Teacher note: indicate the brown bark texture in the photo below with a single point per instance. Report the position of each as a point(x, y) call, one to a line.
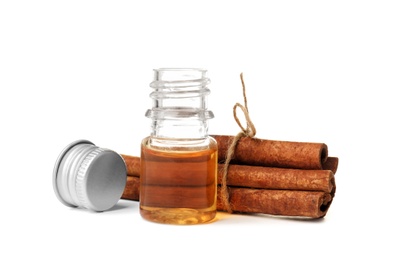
point(133, 164)
point(271, 153)
point(132, 190)
point(277, 178)
point(262, 177)
point(308, 204)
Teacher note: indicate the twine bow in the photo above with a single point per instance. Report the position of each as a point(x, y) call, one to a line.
point(249, 131)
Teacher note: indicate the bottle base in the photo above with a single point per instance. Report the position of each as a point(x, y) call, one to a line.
point(178, 216)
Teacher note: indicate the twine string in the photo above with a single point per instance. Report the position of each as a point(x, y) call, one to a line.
point(249, 131)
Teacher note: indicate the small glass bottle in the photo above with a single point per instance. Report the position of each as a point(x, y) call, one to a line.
point(179, 158)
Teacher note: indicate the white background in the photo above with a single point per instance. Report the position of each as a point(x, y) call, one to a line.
point(315, 71)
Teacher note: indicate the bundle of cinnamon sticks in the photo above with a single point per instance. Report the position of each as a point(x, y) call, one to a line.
point(295, 179)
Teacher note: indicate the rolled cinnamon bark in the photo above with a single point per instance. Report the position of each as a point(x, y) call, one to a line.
point(132, 190)
point(277, 178)
point(331, 163)
point(282, 154)
point(308, 204)
point(262, 177)
point(133, 164)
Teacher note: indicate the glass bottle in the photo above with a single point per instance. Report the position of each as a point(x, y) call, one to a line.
point(179, 158)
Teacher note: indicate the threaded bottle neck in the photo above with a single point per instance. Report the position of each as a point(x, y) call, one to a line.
point(179, 104)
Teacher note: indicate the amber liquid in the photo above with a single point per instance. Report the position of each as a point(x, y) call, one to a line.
point(178, 186)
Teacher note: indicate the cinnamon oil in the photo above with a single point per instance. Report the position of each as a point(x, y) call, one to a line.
point(178, 186)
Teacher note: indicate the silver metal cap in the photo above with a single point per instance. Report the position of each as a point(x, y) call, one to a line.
point(89, 176)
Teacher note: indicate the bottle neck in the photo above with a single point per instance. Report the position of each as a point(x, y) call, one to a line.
point(179, 105)
point(183, 129)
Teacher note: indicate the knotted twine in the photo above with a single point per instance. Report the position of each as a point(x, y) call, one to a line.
point(249, 131)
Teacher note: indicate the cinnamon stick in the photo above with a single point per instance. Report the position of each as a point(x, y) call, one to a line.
point(132, 188)
point(277, 178)
point(309, 204)
point(271, 153)
point(262, 177)
point(133, 164)
point(331, 163)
